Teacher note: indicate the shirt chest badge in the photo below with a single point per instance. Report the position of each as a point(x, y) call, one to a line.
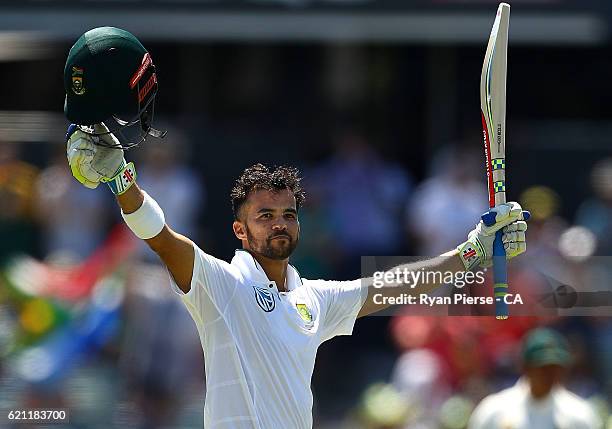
point(264, 298)
point(305, 314)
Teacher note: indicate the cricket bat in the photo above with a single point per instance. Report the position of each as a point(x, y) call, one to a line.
point(493, 109)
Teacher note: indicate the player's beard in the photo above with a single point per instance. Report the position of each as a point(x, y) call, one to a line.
point(272, 249)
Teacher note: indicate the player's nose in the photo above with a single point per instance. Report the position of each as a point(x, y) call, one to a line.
point(279, 225)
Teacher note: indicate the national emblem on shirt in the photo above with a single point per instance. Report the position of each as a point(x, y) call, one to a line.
point(305, 314)
point(264, 298)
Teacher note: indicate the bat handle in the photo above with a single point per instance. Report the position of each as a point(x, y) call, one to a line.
point(500, 277)
point(500, 272)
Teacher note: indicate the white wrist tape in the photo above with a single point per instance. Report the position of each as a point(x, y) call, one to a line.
point(147, 221)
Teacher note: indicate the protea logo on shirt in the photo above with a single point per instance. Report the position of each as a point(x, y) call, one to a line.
point(264, 298)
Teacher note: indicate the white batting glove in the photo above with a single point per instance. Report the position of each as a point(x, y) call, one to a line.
point(90, 163)
point(510, 219)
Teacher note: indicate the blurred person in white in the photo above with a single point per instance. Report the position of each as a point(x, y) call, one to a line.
point(596, 212)
point(260, 323)
point(445, 205)
point(74, 222)
point(421, 374)
point(538, 399)
point(160, 353)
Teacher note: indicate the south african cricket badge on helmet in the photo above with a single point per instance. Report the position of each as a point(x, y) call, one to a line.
point(77, 80)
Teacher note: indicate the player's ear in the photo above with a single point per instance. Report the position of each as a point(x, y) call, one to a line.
point(239, 230)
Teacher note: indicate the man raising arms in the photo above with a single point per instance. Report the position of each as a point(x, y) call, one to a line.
point(260, 323)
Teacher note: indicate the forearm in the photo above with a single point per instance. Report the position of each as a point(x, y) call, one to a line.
point(131, 200)
point(175, 250)
point(419, 283)
point(93, 164)
point(414, 278)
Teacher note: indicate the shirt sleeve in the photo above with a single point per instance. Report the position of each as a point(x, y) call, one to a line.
point(482, 417)
point(340, 304)
point(213, 280)
point(588, 419)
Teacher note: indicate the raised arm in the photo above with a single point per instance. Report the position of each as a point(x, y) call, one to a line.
point(92, 164)
point(175, 250)
point(448, 262)
point(476, 251)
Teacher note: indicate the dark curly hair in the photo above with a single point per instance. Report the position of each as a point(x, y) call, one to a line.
point(259, 176)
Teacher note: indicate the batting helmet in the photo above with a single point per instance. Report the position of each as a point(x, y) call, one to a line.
point(109, 77)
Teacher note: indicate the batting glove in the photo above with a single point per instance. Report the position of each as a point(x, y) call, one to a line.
point(478, 249)
point(93, 163)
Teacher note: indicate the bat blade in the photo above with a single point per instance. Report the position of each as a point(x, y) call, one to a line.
point(493, 111)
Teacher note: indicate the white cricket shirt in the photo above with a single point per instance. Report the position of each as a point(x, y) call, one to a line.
point(515, 408)
point(260, 344)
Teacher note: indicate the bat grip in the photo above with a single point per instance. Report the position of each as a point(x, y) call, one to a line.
point(500, 277)
point(500, 272)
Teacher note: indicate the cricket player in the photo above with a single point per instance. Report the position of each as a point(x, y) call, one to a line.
point(538, 399)
point(259, 321)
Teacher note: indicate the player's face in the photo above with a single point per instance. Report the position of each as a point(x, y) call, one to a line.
point(271, 226)
point(543, 378)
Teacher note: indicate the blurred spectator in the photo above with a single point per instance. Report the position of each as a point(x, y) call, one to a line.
point(538, 399)
point(545, 224)
point(317, 239)
point(364, 197)
point(421, 377)
point(446, 206)
point(74, 219)
point(596, 212)
point(17, 180)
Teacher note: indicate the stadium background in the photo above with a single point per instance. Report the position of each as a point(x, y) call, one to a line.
point(377, 102)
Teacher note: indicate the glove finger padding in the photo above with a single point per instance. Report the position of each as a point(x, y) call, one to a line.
point(75, 168)
point(513, 237)
point(92, 163)
point(519, 225)
point(514, 249)
point(108, 160)
point(80, 152)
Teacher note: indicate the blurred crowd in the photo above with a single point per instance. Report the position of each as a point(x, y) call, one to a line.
point(88, 322)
